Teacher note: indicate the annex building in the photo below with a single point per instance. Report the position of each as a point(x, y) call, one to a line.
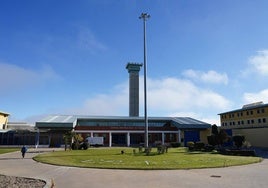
point(250, 121)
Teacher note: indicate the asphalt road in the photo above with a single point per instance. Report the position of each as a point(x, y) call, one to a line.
point(247, 176)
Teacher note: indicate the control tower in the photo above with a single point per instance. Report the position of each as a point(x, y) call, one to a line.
point(133, 70)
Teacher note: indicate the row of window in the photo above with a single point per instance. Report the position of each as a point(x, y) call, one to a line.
point(242, 122)
point(240, 114)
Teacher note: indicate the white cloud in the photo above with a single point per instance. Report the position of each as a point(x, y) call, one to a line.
point(114, 103)
point(258, 64)
point(256, 97)
point(166, 97)
point(175, 94)
point(87, 40)
point(15, 78)
point(211, 76)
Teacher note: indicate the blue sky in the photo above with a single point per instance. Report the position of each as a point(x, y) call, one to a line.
point(69, 57)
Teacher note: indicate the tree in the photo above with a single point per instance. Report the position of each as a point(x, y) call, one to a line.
point(67, 137)
point(77, 139)
point(217, 137)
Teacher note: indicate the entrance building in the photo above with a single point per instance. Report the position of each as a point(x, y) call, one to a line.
point(123, 131)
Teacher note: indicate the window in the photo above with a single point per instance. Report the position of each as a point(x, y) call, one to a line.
point(241, 113)
point(248, 121)
point(238, 114)
point(252, 121)
point(238, 122)
point(262, 110)
point(251, 112)
point(242, 122)
point(259, 120)
point(264, 120)
point(247, 113)
point(258, 111)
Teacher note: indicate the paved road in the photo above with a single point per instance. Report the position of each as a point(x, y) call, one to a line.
point(254, 175)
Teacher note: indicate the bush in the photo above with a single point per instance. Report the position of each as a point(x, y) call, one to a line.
point(84, 145)
point(190, 146)
point(199, 146)
point(175, 144)
point(238, 140)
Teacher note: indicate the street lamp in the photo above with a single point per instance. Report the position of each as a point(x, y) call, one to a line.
point(145, 17)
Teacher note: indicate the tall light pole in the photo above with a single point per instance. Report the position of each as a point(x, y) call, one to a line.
point(145, 17)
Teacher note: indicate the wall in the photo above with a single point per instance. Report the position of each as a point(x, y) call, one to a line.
point(3, 120)
point(256, 137)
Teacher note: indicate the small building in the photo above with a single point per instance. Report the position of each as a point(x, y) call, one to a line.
point(121, 130)
point(19, 133)
point(3, 120)
point(250, 121)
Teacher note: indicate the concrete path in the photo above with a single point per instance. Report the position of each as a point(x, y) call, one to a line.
point(247, 176)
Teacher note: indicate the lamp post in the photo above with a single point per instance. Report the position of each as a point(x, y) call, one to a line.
point(145, 17)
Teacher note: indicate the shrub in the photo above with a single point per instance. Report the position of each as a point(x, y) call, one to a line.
point(175, 144)
point(190, 146)
point(238, 140)
point(199, 146)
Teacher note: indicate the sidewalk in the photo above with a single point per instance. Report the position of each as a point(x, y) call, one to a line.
point(254, 175)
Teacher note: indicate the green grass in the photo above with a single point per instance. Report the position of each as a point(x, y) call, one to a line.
point(8, 150)
point(176, 158)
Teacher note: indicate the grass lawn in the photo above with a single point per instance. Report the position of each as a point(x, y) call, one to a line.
point(176, 158)
point(8, 150)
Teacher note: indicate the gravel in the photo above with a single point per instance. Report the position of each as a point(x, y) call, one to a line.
point(20, 182)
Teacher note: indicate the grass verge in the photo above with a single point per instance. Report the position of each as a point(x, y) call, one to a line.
point(111, 158)
point(8, 150)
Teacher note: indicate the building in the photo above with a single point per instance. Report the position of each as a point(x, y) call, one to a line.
point(3, 120)
point(122, 130)
point(19, 133)
point(250, 121)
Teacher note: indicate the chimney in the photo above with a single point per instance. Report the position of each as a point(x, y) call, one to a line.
point(133, 70)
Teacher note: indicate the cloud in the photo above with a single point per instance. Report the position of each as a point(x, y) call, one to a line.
point(87, 40)
point(113, 103)
point(174, 94)
point(256, 97)
point(211, 76)
point(166, 97)
point(257, 64)
point(15, 78)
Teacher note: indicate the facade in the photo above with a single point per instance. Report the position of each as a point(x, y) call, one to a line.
point(3, 120)
point(122, 131)
point(19, 133)
point(251, 121)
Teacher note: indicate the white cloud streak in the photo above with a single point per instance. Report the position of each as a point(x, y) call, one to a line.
point(87, 40)
point(15, 78)
point(256, 97)
point(211, 77)
point(166, 97)
point(257, 64)
point(260, 62)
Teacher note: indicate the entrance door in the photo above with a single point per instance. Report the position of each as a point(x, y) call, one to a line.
point(191, 136)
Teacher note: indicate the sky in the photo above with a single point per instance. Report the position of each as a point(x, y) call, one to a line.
point(69, 57)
